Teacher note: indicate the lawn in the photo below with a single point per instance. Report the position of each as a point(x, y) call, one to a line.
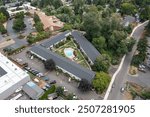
point(79, 57)
point(49, 91)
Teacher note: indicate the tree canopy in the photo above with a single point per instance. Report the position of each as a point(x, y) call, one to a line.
point(18, 24)
point(84, 85)
point(101, 63)
point(101, 81)
point(49, 64)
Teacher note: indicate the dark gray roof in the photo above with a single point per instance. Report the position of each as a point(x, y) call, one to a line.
point(88, 48)
point(55, 39)
point(2, 72)
point(64, 63)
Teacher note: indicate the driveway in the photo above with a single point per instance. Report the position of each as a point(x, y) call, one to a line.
point(61, 80)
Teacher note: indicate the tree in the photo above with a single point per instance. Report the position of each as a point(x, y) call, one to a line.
point(5, 12)
point(2, 29)
point(78, 6)
point(130, 44)
point(70, 96)
point(49, 64)
point(117, 43)
point(148, 27)
point(67, 27)
point(91, 24)
point(101, 63)
point(99, 43)
point(60, 91)
point(128, 8)
point(84, 85)
point(19, 15)
point(2, 18)
point(101, 81)
point(39, 26)
point(145, 14)
point(18, 24)
point(36, 18)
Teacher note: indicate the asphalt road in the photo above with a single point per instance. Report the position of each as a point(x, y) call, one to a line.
point(122, 76)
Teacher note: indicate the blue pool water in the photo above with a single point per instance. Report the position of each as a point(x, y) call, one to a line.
point(69, 52)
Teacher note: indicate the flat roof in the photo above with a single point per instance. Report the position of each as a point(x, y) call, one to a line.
point(12, 75)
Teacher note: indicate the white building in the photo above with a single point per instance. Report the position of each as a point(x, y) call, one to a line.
point(11, 77)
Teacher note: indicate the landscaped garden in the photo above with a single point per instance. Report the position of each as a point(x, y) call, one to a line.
point(70, 50)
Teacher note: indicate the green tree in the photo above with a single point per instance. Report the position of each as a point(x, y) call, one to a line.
point(2, 29)
point(70, 96)
point(60, 91)
point(2, 18)
point(101, 81)
point(39, 26)
point(128, 8)
point(18, 25)
point(102, 63)
point(4, 11)
point(99, 43)
point(84, 85)
point(67, 27)
point(148, 27)
point(145, 13)
point(91, 24)
point(36, 18)
point(49, 64)
point(20, 15)
point(78, 6)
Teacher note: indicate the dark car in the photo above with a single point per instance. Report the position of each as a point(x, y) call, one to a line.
point(53, 82)
point(122, 89)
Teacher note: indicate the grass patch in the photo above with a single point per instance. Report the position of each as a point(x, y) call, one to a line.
point(49, 91)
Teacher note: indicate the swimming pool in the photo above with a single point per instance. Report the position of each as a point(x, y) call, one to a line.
point(69, 53)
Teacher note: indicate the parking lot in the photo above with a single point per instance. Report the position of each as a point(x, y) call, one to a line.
point(61, 79)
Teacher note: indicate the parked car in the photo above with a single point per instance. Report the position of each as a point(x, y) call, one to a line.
point(40, 75)
point(47, 85)
point(122, 89)
point(142, 70)
point(45, 78)
point(53, 82)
